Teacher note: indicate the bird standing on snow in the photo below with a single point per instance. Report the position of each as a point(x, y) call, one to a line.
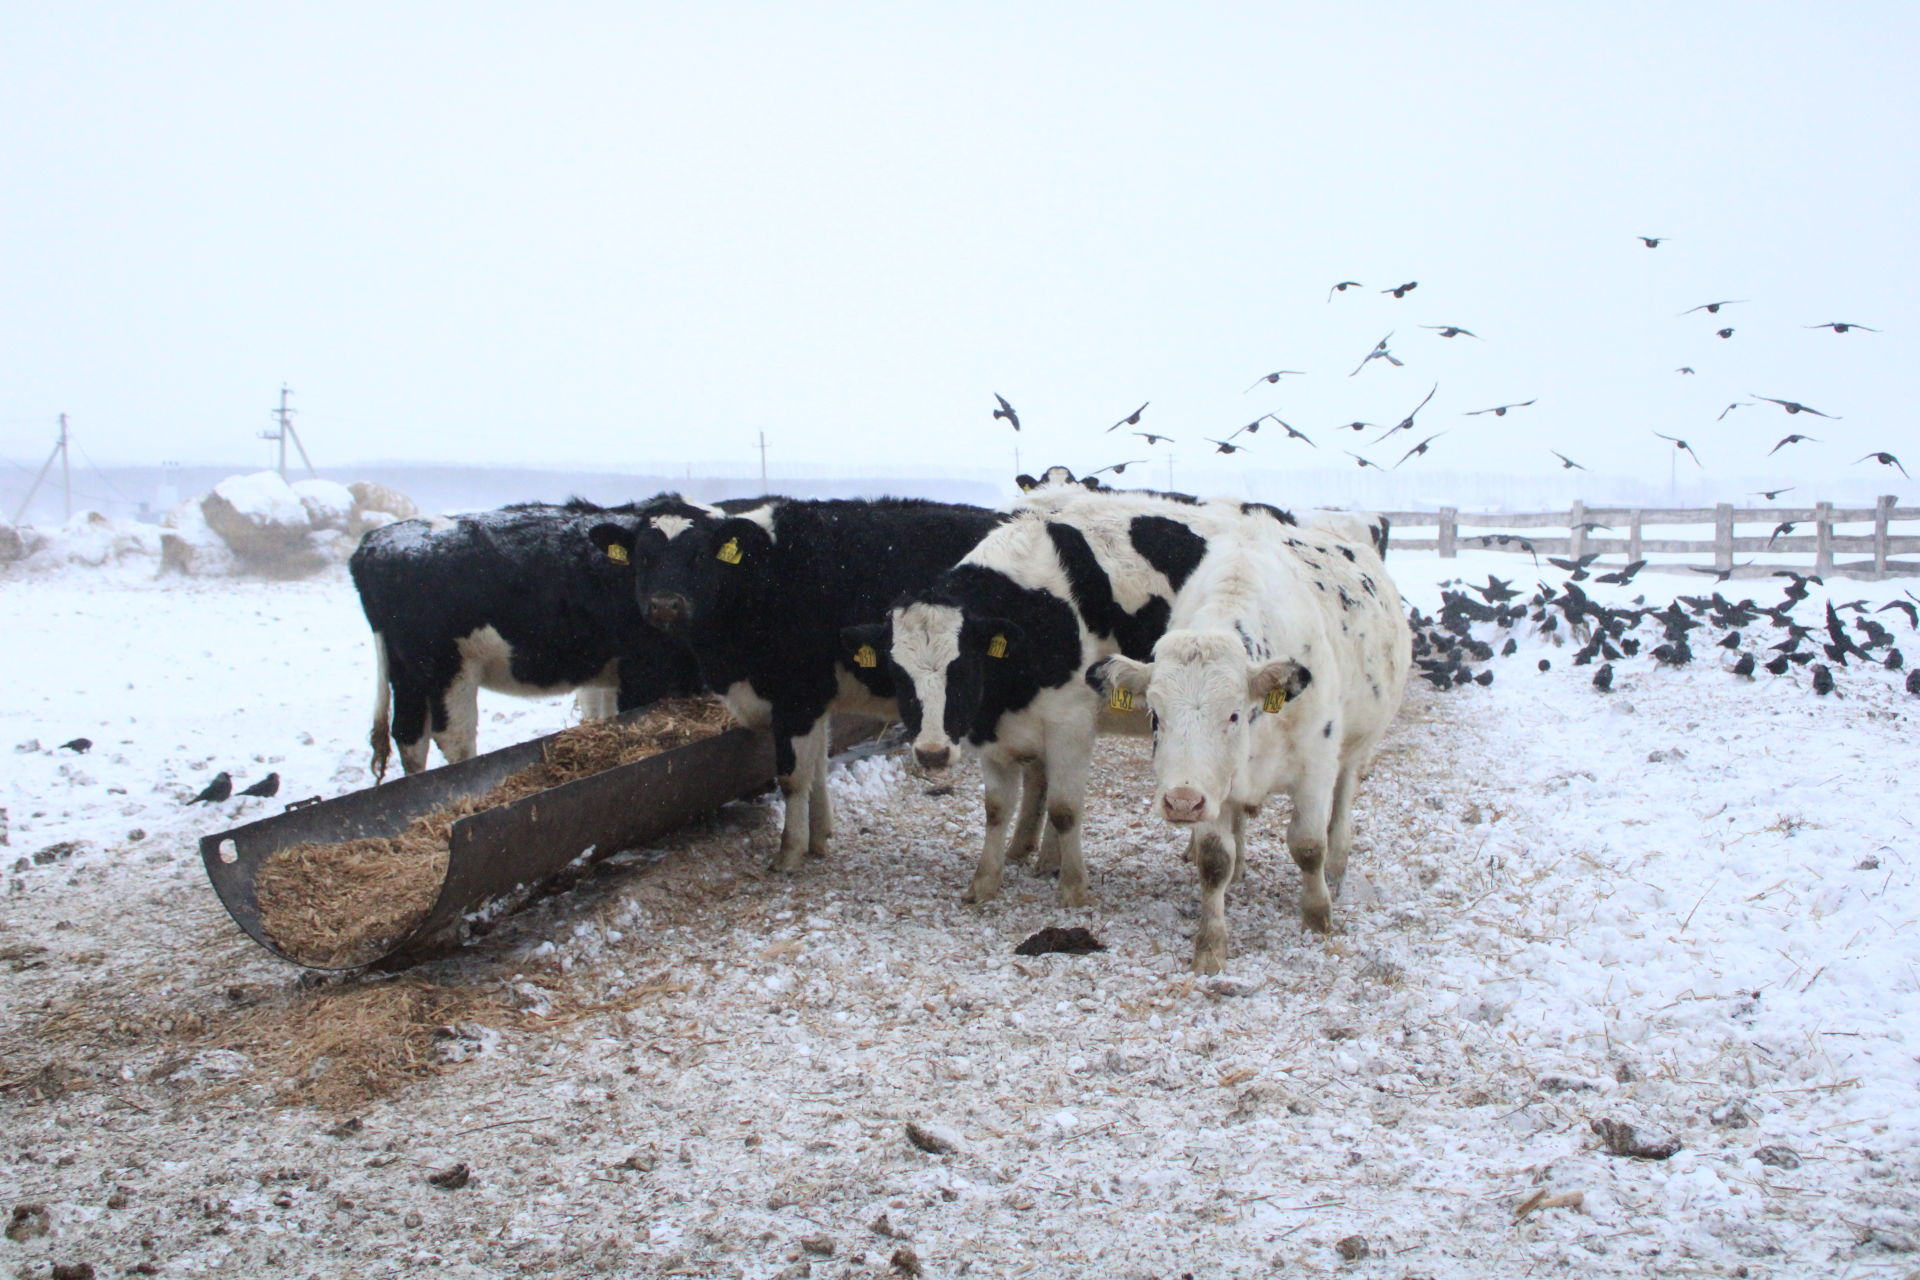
point(79, 746)
point(267, 786)
point(219, 789)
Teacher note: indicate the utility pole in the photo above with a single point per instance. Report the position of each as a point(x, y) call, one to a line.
point(285, 432)
point(763, 462)
point(66, 475)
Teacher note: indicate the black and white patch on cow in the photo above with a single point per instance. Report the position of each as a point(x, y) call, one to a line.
point(502, 600)
point(762, 597)
point(1280, 672)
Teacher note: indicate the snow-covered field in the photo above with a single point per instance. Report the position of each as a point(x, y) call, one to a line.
point(1688, 906)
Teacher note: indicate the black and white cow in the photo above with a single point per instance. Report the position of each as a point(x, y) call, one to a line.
point(503, 600)
point(991, 654)
point(762, 596)
point(1284, 664)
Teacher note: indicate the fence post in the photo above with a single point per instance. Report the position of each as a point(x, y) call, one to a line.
point(1882, 513)
point(1823, 538)
point(1633, 535)
point(1449, 530)
point(1723, 535)
point(1576, 536)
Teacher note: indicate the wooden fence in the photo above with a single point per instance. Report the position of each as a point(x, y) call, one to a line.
point(1584, 526)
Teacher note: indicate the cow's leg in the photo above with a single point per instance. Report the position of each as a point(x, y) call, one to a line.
point(596, 702)
point(412, 709)
point(1340, 829)
point(456, 722)
point(1213, 855)
point(819, 805)
point(1069, 754)
point(800, 758)
point(999, 777)
point(1242, 815)
point(1022, 844)
point(1307, 842)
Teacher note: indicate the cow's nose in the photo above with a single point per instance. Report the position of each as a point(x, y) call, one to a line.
point(668, 611)
point(1184, 804)
point(933, 757)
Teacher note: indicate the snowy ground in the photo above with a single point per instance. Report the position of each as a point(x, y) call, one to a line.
point(1688, 905)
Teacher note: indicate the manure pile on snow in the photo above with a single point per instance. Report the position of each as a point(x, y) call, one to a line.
point(341, 905)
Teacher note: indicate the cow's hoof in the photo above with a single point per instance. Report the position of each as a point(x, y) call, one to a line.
point(1073, 895)
point(981, 891)
point(1317, 918)
point(789, 859)
point(1208, 962)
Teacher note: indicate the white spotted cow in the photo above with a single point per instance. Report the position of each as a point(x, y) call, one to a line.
point(1282, 667)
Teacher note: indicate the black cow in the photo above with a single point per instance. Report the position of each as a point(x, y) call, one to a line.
point(762, 596)
point(506, 600)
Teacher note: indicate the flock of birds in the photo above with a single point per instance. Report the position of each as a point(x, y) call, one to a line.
point(1236, 441)
point(1472, 620)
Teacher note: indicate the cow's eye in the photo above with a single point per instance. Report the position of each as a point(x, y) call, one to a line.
point(1234, 718)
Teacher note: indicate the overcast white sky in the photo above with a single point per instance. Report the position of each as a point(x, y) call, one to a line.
point(635, 235)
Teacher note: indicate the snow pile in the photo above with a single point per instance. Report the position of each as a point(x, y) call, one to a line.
point(329, 504)
point(264, 521)
point(89, 540)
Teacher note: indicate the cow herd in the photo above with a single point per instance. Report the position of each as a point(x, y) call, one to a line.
point(1264, 654)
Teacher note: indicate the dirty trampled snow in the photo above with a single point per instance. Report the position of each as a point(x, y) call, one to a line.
point(1688, 906)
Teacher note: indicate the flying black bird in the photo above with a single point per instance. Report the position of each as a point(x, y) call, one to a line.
point(1795, 438)
point(1152, 438)
point(1797, 589)
point(1292, 434)
point(1906, 607)
point(1682, 444)
point(1379, 352)
point(1132, 419)
point(1588, 526)
point(1275, 376)
point(1497, 590)
point(79, 746)
point(1402, 290)
point(1712, 308)
point(1419, 448)
point(1223, 446)
point(1794, 406)
point(1355, 426)
point(1603, 678)
point(1498, 411)
point(1780, 530)
point(1737, 404)
point(1362, 461)
point(1252, 427)
point(1771, 494)
point(219, 789)
point(1006, 411)
point(1118, 468)
point(1839, 326)
point(1342, 287)
point(1653, 242)
point(1724, 333)
point(1566, 463)
point(1685, 368)
point(267, 786)
point(1406, 423)
point(1885, 459)
point(1719, 575)
point(1578, 568)
point(1621, 577)
point(1452, 330)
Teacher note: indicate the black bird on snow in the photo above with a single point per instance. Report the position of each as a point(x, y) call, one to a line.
point(1731, 640)
point(1724, 333)
point(1132, 419)
point(1678, 443)
point(1362, 461)
point(79, 746)
point(1794, 406)
point(1885, 459)
point(1566, 463)
point(1342, 287)
point(219, 789)
point(1622, 577)
point(1771, 494)
point(1119, 468)
point(1712, 308)
point(1913, 681)
point(1737, 404)
point(1795, 438)
point(1153, 438)
point(1453, 331)
point(1744, 667)
point(1895, 660)
point(1603, 678)
point(267, 786)
point(1499, 410)
point(1379, 352)
point(1402, 290)
point(1275, 376)
point(1653, 242)
point(1420, 448)
point(1006, 411)
point(1822, 679)
point(1840, 326)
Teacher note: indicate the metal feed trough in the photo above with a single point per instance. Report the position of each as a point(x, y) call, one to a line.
point(498, 858)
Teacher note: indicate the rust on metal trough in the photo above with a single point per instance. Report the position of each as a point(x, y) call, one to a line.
point(498, 858)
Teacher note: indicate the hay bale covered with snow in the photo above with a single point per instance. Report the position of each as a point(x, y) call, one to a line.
point(265, 523)
point(329, 503)
point(375, 505)
point(190, 547)
point(14, 544)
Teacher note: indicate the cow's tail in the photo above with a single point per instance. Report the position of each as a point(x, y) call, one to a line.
point(381, 739)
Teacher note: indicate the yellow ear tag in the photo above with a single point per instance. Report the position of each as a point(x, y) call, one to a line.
point(997, 647)
point(729, 551)
point(1275, 700)
point(616, 553)
point(864, 656)
point(1121, 699)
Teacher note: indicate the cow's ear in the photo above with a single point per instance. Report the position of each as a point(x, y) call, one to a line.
point(738, 541)
point(865, 646)
point(1120, 674)
point(1274, 684)
point(615, 542)
point(995, 637)
point(1026, 482)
